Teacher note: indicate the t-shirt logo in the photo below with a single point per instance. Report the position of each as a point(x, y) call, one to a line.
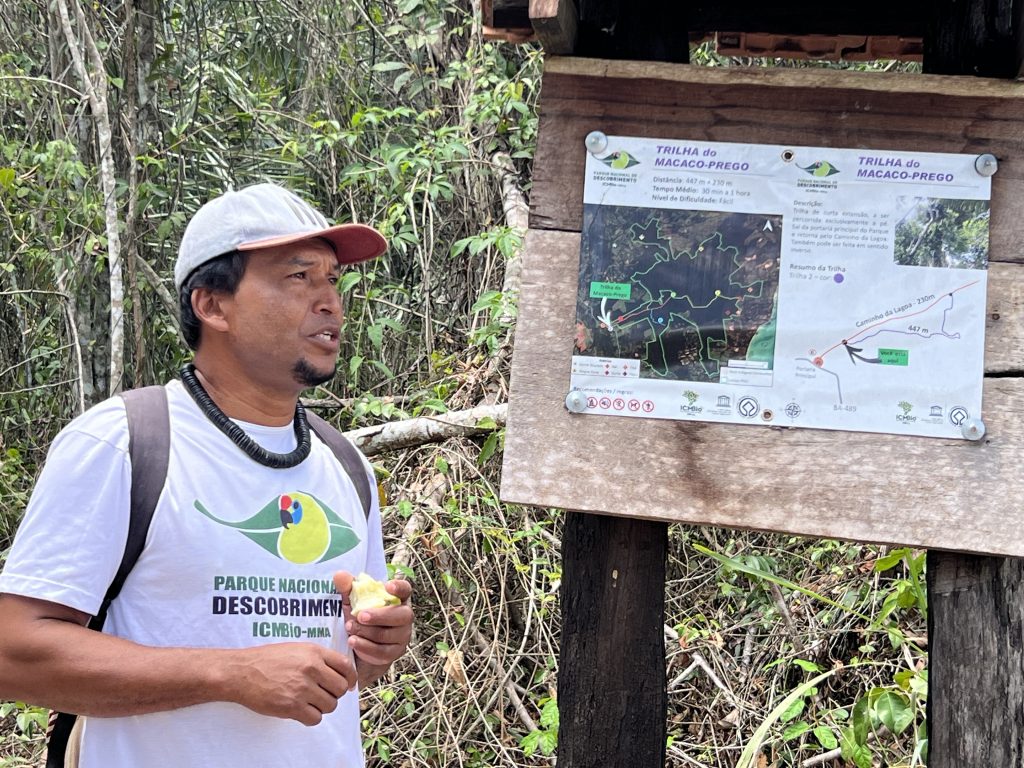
point(296, 527)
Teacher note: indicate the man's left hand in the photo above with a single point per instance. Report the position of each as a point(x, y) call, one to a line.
point(380, 636)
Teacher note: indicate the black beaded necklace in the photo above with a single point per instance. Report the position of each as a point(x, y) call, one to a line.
point(237, 435)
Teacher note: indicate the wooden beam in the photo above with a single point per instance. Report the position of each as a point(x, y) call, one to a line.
point(555, 22)
point(976, 604)
point(807, 17)
point(819, 47)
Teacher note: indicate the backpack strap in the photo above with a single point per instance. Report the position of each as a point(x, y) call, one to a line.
point(149, 446)
point(348, 456)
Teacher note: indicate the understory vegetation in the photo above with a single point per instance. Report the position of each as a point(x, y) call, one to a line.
point(781, 651)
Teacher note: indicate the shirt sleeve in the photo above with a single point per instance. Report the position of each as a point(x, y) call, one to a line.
point(71, 540)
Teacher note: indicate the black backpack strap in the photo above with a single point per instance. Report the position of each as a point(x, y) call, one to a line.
point(149, 447)
point(61, 724)
point(349, 456)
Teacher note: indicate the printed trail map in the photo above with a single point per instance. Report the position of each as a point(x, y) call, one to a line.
point(793, 286)
point(684, 292)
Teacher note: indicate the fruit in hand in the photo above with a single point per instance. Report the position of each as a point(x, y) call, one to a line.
point(368, 593)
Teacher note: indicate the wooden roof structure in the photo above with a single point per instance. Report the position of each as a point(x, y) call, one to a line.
point(661, 30)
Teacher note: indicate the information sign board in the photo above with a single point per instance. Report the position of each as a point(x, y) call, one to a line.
point(782, 285)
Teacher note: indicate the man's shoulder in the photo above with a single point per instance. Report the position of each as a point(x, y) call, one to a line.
point(106, 422)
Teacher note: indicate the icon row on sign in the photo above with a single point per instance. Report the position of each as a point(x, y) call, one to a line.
point(620, 404)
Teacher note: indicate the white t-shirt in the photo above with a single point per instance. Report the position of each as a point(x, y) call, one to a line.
point(219, 570)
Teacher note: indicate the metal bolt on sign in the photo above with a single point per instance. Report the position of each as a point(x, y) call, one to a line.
point(986, 164)
point(576, 402)
point(973, 429)
point(596, 142)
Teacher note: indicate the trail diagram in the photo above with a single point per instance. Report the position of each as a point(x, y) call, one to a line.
point(784, 286)
point(897, 332)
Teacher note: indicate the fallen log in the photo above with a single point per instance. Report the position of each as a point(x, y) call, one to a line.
point(396, 435)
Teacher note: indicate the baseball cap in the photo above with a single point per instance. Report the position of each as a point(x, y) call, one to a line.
point(264, 216)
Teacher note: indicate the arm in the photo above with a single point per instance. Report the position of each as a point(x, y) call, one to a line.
point(48, 656)
point(379, 637)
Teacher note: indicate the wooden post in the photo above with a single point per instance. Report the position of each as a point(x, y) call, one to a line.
point(612, 698)
point(613, 702)
point(975, 604)
point(555, 23)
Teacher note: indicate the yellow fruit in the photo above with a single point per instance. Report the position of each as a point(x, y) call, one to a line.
point(368, 593)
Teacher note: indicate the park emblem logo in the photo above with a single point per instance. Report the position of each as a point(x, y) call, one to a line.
point(905, 417)
point(296, 527)
point(619, 161)
point(691, 408)
point(820, 169)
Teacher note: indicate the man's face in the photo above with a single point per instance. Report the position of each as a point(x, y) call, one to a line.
point(285, 317)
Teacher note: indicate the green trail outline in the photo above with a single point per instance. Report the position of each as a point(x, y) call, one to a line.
point(664, 255)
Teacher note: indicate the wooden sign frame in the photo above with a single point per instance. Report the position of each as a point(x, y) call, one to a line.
point(927, 492)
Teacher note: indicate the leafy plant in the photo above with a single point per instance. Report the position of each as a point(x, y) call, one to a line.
point(545, 738)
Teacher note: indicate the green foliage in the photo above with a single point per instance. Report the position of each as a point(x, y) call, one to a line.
point(882, 723)
point(14, 482)
point(545, 738)
point(389, 113)
point(884, 713)
point(908, 591)
point(22, 729)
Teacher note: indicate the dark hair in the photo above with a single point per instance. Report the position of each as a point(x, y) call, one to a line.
point(222, 273)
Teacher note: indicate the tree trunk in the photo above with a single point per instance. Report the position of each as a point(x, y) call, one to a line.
point(95, 85)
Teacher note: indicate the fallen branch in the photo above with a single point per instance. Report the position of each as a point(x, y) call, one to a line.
point(510, 689)
point(823, 758)
point(432, 497)
point(698, 662)
point(397, 435)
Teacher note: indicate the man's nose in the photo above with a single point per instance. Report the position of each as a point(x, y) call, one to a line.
point(329, 302)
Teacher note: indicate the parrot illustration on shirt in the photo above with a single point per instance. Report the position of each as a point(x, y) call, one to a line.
point(296, 527)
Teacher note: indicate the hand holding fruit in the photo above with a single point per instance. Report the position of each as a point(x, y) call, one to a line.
point(378, 619)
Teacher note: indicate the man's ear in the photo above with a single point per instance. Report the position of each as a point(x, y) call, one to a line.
point(209, 307)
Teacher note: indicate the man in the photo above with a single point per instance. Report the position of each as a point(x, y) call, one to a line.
point(226, 646)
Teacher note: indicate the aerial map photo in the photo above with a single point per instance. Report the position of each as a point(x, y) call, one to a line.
point(682, 292)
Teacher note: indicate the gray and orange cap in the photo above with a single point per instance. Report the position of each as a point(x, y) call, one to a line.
point(264, 216)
